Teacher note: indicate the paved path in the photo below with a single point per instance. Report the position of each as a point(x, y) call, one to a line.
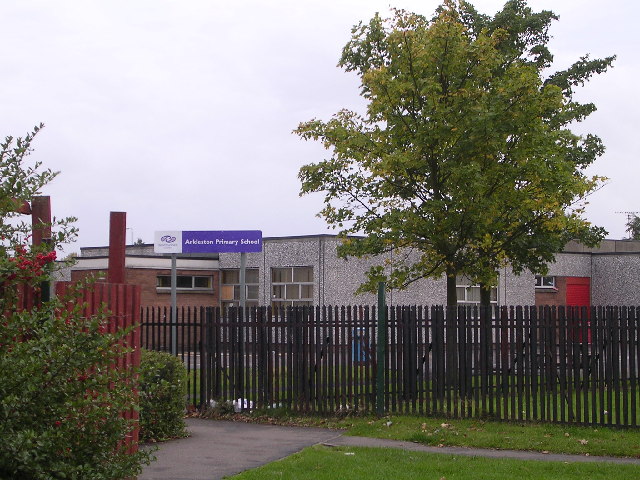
point(217, 448)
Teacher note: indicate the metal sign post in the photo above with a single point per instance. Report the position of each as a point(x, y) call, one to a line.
point(381, 360)
point(243, 280)
point(174, 304)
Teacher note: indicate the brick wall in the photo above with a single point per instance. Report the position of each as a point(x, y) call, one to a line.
point(553, 297)
point(151, 297)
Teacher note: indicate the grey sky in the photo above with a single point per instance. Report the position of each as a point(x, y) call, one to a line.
point(180, 112)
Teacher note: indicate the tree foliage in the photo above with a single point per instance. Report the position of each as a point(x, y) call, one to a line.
point(60, 399)
point(465, 153)
point(633, 227)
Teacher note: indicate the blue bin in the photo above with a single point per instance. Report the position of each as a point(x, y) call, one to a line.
point(359, 347)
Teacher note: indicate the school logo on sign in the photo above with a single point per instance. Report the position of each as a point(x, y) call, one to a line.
point(167, 242)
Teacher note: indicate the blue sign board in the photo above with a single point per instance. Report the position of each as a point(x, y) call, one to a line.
point(216, 241)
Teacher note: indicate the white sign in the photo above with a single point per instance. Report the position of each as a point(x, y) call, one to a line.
point(168, 241)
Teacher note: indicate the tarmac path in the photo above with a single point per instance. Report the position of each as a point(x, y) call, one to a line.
point(219, 448)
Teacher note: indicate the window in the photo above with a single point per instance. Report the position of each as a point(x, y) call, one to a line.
point(545, 282)
point(230, 289)
point(186, 282)
point(291, 286)
point(469, 293)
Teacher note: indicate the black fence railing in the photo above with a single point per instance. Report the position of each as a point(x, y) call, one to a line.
point(568, 365)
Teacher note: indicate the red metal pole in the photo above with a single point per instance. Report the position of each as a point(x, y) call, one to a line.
point(117, 233)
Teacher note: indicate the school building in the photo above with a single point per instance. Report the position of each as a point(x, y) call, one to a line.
point(305, 270)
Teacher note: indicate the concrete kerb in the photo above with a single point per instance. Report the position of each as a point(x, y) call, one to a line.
point(344, 440)
point(220, 448)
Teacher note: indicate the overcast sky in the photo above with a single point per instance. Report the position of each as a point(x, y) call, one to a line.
point(180, 112)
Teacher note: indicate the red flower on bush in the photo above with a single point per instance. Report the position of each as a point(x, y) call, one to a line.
point(27, 268)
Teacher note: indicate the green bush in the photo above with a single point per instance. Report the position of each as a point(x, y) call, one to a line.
point(61, 400)
point(163, 388)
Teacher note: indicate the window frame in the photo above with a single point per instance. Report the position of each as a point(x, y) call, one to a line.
point(235, 302)
point(466, 284)
point(163, 289)
point(290, 284)
point(540, 280)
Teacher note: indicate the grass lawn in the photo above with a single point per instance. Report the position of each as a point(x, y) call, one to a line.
point(351, 463)
point(502, 435)
point(539, 437)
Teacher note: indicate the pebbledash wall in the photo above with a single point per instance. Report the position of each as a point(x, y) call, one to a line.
point(608, 275)
point(336, 279)
point(613, 270)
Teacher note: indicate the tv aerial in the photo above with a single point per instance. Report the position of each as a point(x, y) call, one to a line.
point(629, 215)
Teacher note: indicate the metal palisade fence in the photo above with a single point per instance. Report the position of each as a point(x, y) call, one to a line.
point(564, 364)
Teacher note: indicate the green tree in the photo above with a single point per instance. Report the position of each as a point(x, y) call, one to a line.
point(60, 400)
point(464, 154)
point(633, 227)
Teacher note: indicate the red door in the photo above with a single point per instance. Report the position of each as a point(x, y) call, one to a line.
point(578, 292)
point(579, 295)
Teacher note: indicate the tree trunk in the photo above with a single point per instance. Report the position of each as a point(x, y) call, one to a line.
point(452, 294)
point(485, 292)
point(485, 295)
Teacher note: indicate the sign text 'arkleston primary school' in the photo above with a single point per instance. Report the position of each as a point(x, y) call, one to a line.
point(217, 241)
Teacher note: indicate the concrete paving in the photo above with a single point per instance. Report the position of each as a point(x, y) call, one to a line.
point(217, 448)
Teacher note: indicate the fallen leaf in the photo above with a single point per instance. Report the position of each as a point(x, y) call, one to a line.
point(567, 434)
point(583, 441)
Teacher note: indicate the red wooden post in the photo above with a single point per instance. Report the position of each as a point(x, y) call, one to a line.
point(41, 233)
point(40, 219)
point(117, 233)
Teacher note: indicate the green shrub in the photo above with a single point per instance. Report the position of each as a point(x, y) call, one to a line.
point(163, 382)
point(61, 400)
